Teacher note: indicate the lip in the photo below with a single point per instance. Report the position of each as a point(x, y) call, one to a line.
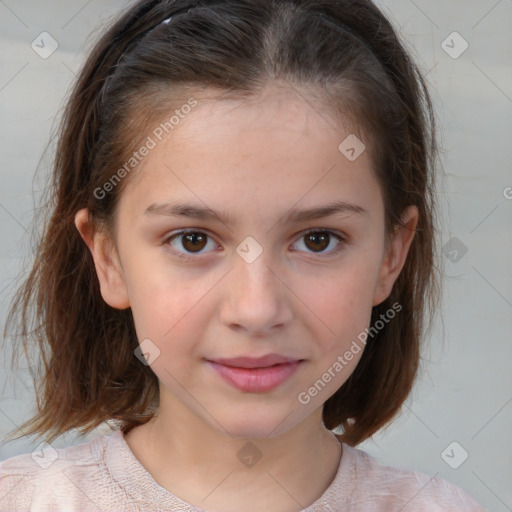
point(257, 375)
point(255, 362)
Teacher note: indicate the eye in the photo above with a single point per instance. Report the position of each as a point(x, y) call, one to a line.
point(192, 241)
point(319, 240)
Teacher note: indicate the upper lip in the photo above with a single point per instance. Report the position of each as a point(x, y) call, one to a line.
point(255, 362)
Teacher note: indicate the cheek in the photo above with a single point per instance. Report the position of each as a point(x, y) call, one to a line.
point(169, 307)
point(339, 305)
point(342, 308)
point(166, 310)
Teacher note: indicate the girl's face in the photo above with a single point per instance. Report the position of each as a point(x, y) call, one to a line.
point(249, 281)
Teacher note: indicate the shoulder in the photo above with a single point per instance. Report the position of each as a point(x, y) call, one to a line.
point(384, 488)
point(51, 479)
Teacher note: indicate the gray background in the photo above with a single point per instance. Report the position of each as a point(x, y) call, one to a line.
point(464, 392)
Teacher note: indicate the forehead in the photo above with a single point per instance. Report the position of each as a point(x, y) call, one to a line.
point(279, 147)
point(281, 108)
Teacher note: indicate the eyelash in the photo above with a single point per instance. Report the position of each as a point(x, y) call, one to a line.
point(189, 256)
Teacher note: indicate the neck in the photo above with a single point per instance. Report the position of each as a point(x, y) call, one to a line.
point(209, 468)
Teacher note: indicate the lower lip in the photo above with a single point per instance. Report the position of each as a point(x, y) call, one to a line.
point(256, 380)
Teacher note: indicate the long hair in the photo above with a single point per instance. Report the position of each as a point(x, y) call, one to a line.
point(344, 53)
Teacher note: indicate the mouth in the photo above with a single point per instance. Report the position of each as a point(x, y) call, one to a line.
point(255, 362)
point(255, 375)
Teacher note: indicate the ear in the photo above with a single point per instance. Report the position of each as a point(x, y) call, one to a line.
point(106, 260)
point(396, 254)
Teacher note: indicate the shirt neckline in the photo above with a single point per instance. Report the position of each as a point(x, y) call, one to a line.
point(127, 471)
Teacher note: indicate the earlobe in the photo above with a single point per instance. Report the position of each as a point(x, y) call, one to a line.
point(106, 261)
point(396, 255)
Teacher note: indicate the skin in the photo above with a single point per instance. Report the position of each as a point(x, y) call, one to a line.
point(255, 159)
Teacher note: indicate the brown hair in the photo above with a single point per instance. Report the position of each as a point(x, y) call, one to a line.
point(344, 51)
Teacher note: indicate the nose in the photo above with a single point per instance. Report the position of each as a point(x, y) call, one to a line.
point(257, 299)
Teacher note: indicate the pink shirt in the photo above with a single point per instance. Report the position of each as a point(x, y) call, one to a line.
point(104, 474)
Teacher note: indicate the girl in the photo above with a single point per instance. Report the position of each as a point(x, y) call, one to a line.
point(240, 259)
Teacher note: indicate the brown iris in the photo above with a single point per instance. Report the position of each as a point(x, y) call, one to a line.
point(318, 237)
point(194, 242)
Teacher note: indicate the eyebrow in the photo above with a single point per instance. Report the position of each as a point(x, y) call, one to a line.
point(180, 209)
